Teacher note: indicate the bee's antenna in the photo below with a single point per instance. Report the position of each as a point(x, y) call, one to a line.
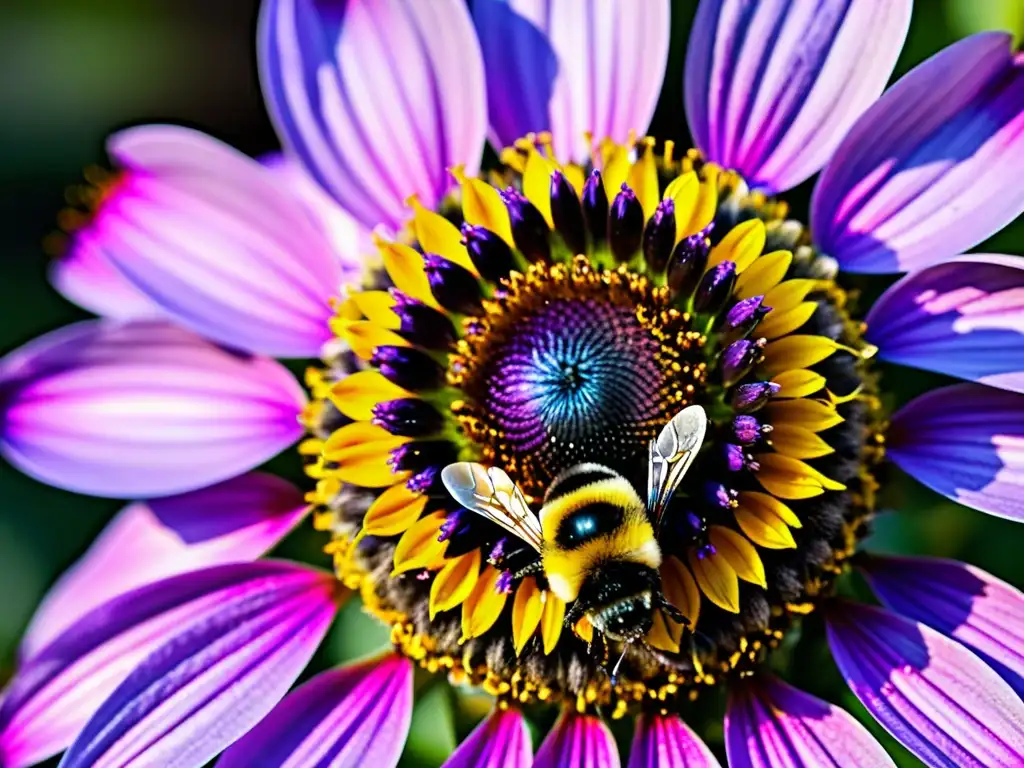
point(615, 669)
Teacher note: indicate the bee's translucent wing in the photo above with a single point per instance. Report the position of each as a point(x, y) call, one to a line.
point(491, 493)
point(672, 453)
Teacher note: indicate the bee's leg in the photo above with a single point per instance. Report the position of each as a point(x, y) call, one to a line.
point(662, 603)
point(534, 568)
point(574, 614)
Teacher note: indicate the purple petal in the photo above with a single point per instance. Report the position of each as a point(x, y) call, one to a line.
point(772, 87)
point(500, 741)
point(770, 724)
point(965, 442)
point(85, 275)
point(665, 741)
point(141, 409)
point(933, 167)
point(376, 99)
point(350, 240)
point(959, 600)
point(213, 239)
point(569, 67)
point(932, 694)
point(158, 647)
point(964, 318)
point(344, 718)
point(578, 740)
point(235, 521)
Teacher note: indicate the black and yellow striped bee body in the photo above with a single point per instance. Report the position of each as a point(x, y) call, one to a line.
point(600, 552)
point(595, 539)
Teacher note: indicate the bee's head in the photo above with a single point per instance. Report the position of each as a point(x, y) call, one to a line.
point(619, 599)
point(627, 619)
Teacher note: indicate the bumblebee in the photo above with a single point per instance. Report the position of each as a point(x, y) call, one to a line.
point(595, 539)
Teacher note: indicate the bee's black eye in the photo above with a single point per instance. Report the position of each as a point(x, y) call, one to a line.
point(588, 523)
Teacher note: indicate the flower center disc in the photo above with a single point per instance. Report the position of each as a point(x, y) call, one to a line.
point(571, 318)
point(571, 365)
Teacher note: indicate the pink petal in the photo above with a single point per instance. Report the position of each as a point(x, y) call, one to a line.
point(933, 167)
point(569, 67)
point(376, 99)
point(665, 741)
point(500, 741)
point(85, 275)
point(933, 695)
point(214, 240)
point(350, 240)
point(964, 318)
point(346, 718)
point(578, 740)
point(234, 521)
point(770, 724)
point(141, 409)
point(772, 87)
point(188, 664)
point(967, 443)
point(959, 600)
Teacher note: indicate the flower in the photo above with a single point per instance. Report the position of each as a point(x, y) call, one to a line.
point(558, 316)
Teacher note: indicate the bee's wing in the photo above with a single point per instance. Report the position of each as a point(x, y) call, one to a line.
point(491, 493)
point(672, 453)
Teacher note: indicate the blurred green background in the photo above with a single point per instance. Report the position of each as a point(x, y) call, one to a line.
point(73, 71)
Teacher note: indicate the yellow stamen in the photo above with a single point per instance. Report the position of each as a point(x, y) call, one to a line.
point(419, 547)
point(793, 479)
point(454, 582)
point(798, 351)
point(537, 182)
point(361, 451)
point(404, 266)
point(615, 168)
point(717, 579)
point(551, 622)
point(394, 511)
point(742, 245)
point(483, 606)
point(815, 415)
point(765, 530)
point(482, 206)
point(798, 383)
point(643, 180)
point(358, 393)
point(739, 553)
point(526, 613)
point(764, 505)
point(787, 294)
point(376, 306)
point(762, 275)
point(365, 336)
point(799, 443)
point(439, 236)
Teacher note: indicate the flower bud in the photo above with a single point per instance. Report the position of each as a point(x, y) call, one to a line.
point(686, 264)
point(408, 368)
point(490, 254)
point(595, 207)
point(739, 357)
point(715, 288)
point(660, 236)
point(454, 286)
point(625, 225)
point(529, 230)
point(408, 416)
point(748, 398)
point(748, 430)
point(567, 214)
point(423, 325)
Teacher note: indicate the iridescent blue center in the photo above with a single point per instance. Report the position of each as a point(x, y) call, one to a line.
point(575, 377)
